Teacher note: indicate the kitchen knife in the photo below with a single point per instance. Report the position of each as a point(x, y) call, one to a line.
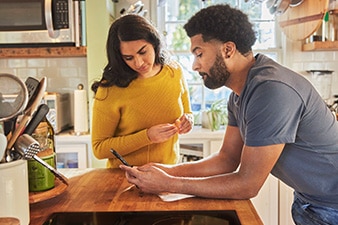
point(40, 113)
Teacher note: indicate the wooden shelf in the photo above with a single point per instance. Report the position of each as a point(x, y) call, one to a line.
point(40, 52)
point(321, 46)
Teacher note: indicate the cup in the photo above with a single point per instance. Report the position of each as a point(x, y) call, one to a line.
point(41, 178)
point(14, 194)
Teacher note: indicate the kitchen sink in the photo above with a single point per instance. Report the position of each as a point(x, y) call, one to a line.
point(227, 217)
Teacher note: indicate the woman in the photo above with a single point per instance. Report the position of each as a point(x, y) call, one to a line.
point(139, 98)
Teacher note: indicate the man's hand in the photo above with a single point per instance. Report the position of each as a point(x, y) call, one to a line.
point(148, 178)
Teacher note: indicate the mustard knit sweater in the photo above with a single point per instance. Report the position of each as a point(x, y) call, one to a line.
point(121, 117)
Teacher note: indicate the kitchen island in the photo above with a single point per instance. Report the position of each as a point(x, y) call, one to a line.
point(107, 190)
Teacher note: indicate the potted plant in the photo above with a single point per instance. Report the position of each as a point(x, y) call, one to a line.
point(217, 114)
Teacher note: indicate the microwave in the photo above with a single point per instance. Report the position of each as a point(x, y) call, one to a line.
point(41, 23)
point(59, 114)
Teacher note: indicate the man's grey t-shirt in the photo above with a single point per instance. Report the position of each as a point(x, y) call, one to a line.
point(278, 106)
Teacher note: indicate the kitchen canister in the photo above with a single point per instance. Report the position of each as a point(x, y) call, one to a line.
point(322, 80)
point(40, 177)
point(14, 194)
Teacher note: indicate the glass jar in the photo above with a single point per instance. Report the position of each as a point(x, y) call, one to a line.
point(321, 80)
point(41, 178)
point(44, 134)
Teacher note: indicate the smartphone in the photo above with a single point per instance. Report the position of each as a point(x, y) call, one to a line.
point(117, 155)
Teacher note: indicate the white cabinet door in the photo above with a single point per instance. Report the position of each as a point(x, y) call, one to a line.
point(266, 202)
point(69, 154)
point(215, 145)
point(73, 148)
point(285, 203)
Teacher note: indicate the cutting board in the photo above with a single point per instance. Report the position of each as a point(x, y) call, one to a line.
point(298, 23)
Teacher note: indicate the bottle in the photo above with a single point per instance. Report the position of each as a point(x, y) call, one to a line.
point(322, 33)
point(325, 27)
point(40, 178)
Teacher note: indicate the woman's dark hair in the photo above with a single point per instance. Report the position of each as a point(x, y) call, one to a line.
point(223, 23)
point(129, 27)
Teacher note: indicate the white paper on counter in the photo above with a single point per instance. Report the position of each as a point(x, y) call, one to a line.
point(170, 197)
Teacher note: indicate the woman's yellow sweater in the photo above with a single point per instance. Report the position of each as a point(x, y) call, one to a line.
point(121, 117)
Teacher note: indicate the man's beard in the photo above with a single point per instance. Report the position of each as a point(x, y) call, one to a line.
point(218, 74)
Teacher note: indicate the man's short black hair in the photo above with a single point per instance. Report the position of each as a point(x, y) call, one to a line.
point(224, 23)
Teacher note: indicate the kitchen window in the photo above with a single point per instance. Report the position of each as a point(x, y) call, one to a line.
point(173, 14)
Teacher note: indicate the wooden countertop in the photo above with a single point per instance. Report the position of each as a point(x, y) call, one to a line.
point(105, 190)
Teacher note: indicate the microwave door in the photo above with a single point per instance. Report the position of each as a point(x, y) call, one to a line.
point(20, 15)
point(26, 23)
point(49, 20)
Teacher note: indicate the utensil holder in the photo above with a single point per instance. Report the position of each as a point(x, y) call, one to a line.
point(14, 194)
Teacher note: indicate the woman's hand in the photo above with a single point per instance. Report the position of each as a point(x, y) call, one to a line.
point(185, 123)
point(162, 132)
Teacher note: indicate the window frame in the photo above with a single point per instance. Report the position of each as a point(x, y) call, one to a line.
point(161, 22)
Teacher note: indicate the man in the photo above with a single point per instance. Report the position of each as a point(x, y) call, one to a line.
point(278, 123)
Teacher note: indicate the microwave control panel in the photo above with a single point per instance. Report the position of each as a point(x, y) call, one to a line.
point(60, 10)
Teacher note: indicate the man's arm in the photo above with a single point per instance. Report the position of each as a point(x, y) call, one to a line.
point(226, 160)
point(215, 176)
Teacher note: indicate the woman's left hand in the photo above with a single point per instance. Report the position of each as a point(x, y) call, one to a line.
point(185, 123)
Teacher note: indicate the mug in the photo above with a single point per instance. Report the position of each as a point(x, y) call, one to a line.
point(14, 194)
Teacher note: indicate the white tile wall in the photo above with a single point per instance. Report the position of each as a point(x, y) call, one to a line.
point(63, 74)
point(301, 61)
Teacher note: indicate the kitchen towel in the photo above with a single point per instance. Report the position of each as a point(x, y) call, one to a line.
point(80, 111)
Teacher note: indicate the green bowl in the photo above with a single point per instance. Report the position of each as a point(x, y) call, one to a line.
point(40, 178)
